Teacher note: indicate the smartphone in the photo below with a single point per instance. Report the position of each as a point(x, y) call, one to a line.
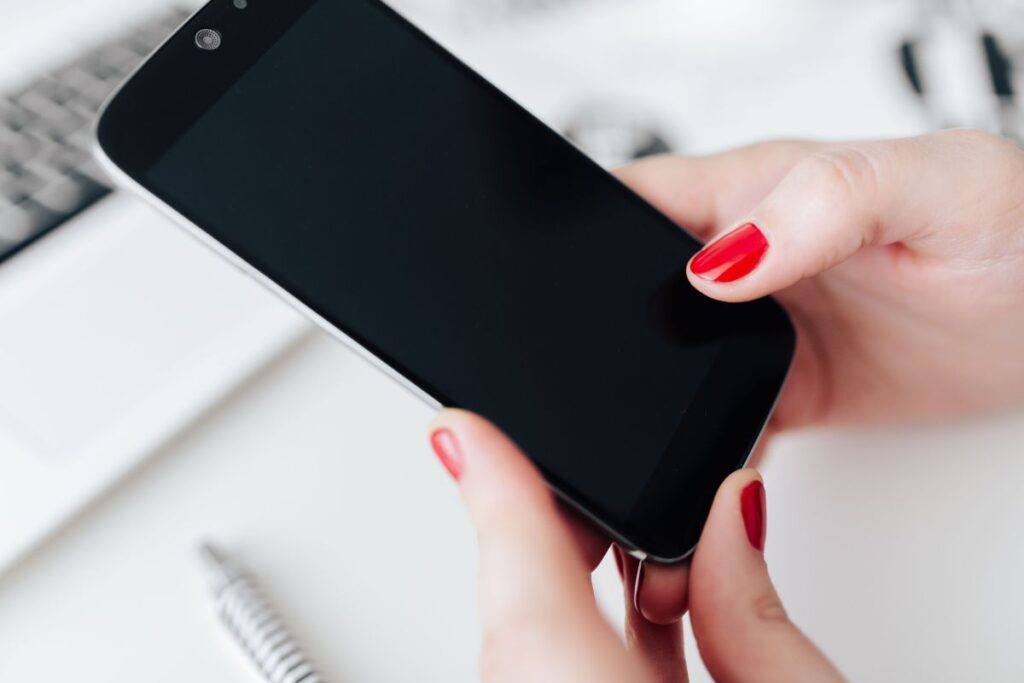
point(340, 156)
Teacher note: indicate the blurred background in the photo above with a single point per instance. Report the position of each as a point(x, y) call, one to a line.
point(146, 406)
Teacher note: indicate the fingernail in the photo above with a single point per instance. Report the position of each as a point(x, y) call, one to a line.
point(447, 450)
point(731, 256)
point(636, 588)
point(752, 505)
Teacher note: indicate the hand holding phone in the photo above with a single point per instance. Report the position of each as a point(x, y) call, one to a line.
point(536, 595)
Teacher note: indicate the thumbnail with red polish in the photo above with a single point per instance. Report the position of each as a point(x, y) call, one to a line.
point(752, 505)
point(447, 450)
point(731, 256)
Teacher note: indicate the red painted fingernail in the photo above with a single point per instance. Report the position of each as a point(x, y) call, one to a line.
point(447, 450)
point(752, 505)
point(732, 256)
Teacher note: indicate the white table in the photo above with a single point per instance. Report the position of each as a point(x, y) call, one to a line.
point(898, 550)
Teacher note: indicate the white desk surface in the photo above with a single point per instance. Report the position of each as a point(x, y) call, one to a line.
point(898, 550)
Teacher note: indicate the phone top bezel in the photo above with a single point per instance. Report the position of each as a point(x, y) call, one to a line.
point(180, 82)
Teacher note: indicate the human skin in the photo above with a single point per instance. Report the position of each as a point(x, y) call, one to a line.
point(538, 615)
point(902, 265)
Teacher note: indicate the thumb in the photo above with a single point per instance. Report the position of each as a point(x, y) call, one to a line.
point(536, 600)
point(740, 625)
point(840, 199)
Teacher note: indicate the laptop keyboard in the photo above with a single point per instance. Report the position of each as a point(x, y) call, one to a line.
point(47, 173)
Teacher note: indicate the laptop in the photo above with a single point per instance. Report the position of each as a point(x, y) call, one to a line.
point(117, 330)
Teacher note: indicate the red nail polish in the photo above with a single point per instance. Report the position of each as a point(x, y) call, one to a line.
point(752, 505)
point(732, 256)
point(447, 450)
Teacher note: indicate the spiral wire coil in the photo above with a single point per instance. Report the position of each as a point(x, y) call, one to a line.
point(252, 621)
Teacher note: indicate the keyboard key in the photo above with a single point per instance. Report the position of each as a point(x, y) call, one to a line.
point(77, 78)
point(56, 91)
point(91, 170)
point(69, 159)
point(91, 189)
point(100, 69)
point(21, 222)
point(13, 116)
point(93, 96)
point(47, 173)
point(119, 58)
point(16, 188)
point(17, 151)
point(81, 139)
point(39, 168)
point(57, 127)
point(37, 105)
point(62, 196)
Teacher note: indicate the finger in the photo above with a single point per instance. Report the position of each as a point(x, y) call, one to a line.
point(742, 630)
point(704, 193)
point(659, 645)
point(536, 600)
point(592, 544)
point(840, 199)
point(662, 591)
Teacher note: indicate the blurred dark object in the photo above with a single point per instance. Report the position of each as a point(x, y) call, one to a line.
point(47, 173)
point(908, 60)
point(999, 65)
point(613, 136)
point(960, 64)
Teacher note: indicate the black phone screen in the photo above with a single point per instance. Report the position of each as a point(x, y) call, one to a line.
point(424, 214)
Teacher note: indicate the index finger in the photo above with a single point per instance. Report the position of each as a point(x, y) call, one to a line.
point(536, 600)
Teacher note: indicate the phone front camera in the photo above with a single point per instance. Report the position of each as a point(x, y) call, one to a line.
point(207, 39)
